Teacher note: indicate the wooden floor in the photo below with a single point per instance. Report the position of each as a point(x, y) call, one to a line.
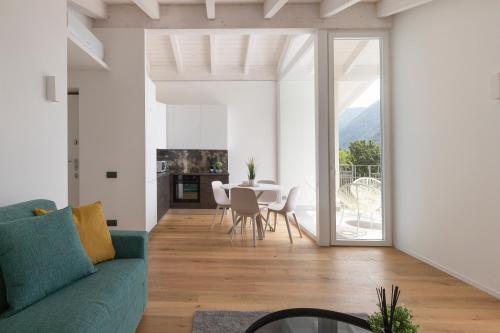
point(193, 267)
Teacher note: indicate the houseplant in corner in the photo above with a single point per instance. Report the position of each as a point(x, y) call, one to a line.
point(391, 318)
point(251, 171)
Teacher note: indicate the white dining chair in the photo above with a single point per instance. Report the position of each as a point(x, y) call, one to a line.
point(244, 205)
point(285, 209)
point(221, 200)
point(268, 197)
point(369, 181)
point(361, 199)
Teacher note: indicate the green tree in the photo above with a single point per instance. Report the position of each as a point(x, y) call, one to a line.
point(345, 157)
point(364, 153)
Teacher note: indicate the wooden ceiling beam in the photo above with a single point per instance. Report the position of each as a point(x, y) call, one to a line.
point(248, 54)
point(387, 8)
point(284, 52)
point(358, 91)
point(351, 59)
point(212, 53)
point(271, 7)
point(167, 73)
point(308, 44)
point(331, 7)
point(177, 53)
point(150, 7)
point(210, 4)
point(93, 8)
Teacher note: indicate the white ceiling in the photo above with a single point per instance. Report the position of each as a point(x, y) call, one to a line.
point(226, 55)
point(250, 55)
point(243, 54)
point(327, 8)
point(199, 2)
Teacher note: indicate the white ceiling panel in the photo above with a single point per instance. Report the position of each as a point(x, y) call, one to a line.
point(229, 54)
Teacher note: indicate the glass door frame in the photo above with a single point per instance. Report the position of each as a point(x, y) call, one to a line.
point(385, 108)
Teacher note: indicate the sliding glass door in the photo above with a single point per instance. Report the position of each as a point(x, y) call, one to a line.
point(358, 134)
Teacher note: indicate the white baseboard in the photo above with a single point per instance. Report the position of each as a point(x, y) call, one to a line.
point(451, 272)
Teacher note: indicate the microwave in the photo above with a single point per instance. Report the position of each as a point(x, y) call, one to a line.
point(161, 166)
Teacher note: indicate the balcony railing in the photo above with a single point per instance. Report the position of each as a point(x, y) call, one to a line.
point(349, 173)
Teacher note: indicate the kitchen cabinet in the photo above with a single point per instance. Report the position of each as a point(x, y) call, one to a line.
point(207, 199)
point(197, 127)
point(159, 126)
point(155, 138)
point(206, 194)
point(213, 127)
point(183, 127)
point(164, 190)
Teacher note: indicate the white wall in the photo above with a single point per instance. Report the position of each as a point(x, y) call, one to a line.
point(33, 131)
point(446, 131)
point(298, 139)
point(251, 119)
point(112, 129)
point(156, 134)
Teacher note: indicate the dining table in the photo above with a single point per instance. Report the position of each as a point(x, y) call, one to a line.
point(258, 189)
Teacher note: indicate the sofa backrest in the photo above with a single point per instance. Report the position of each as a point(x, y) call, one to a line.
point(24, 209)
point(15, 212)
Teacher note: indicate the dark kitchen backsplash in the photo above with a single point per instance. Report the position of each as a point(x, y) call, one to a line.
point(192, 160)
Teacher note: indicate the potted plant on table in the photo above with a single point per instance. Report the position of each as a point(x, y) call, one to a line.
point(218, 166)
point(251, 171)
point(391, 318)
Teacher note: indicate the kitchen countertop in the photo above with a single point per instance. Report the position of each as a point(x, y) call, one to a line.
point(180, 173)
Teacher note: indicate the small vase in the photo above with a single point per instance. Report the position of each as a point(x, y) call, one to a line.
point(251, 182)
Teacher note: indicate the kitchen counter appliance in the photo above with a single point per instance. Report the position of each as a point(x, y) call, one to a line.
point(186, 188)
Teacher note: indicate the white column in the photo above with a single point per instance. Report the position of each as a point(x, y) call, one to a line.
point(323, 219)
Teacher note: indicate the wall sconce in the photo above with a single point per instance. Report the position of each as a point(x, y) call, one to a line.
point(495, 86)
point(50, 89)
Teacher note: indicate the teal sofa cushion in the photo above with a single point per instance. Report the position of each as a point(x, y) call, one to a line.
point(15, 212)
point(111, 300)
point(39, 255)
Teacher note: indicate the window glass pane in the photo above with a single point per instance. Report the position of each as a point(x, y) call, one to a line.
point(358, 139)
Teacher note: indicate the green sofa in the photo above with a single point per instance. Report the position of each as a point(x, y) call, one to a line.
point(111, 300)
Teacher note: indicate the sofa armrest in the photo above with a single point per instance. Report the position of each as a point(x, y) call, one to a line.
point(130, 244)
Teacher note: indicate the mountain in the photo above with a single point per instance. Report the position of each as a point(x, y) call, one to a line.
point(360, 124)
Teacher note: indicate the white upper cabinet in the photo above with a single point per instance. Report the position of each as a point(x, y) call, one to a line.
point(160, 126)
point(197, 127)
point(213, 126)
point(183, 127)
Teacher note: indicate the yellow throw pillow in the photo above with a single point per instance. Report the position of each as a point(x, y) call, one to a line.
point(94, 233)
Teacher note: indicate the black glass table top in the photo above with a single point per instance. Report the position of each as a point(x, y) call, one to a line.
point(309, 321)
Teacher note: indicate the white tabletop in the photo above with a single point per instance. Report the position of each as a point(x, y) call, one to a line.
point(256, 188)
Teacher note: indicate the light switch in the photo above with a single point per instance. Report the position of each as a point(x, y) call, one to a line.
point(51, 92)
point(111, 174)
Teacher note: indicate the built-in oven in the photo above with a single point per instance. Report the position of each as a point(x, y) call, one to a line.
point(186, 188)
